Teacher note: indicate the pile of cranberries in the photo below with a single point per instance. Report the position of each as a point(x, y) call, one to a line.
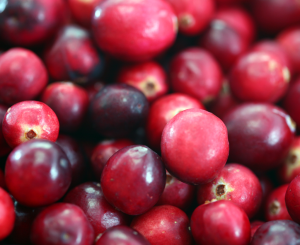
point(149, 122)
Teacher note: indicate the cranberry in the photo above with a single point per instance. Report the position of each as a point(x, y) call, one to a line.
point(192, 16)
point(22, 75)
point(259, 135)
point(220, 222)
point(122, 235)
point(93, 89)
point(118, 109)
point(37, 173)
point(65, 63)
point(69, 102)
point(292, 199)
point(133, 179)
point(177, 193)
point(162, 111)
point(2, 180)
point(29, 120)
point(30, 22)
point(229, 2)
point(277, 232)
point(195, 72)
point(254, 226)
point(164, 225)
point(149, 77)
point(237, 184)
point(103, 151)
point(7, 218)
point(4, 147)
point(191, 141)
point(62, 223)
point(152, 24)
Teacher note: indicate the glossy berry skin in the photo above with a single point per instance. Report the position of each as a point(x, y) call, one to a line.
point(37, 173)
point(224, 218)
point(162, 111)
point(4, 147)
point(196, 73)
point(237, 184)
point(152, 24)
point(191, 141)
point(122, 235)
point(70, 103)
point(29, 120)
point(7, 218)
point(250, 125)
point(192, 16)
point(118, 109)
point(259, 77)
point(149, 77)
point(254, 226)
point(103, 151)
point(62, 223)
point(65, 63)
point(275, 208)
point(23, 76)
point(277, 232)
point(177, 193)
point(89, 197)
point(292, 199)
point(133, 179)
point(164, 225)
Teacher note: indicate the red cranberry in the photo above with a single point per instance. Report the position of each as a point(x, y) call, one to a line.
point(7, 219)
point(37, 173)
point(162, 111)
point(292, 199)
point(164, 225)
point(191, 141)
point(118, 109)
point(235, 183)
point(2, 180)
point(149, 77)
point(103, 151)
point(22, 75)
point(192, 16)
point(277, 232)
point(122, 235)
point(152, 24)
point(4, 147)
point(30, 22)
point(29, 120)
point(229, 2)
point(195, 72)
point(275, 208)
point(177, 193)
point(93, 89)
point(220, 222)
point(133, 179)
point(259, 135)
point(89, 197)
point(62, 223)
point(254, 226)
point(65, 63)
point(69, 102)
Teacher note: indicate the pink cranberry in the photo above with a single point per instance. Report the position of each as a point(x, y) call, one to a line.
point(164, 225)
point(22, 75)
point(69, 102)
point(259, 77)
point(103, 151)
point(162, 111)
point(149, 77)
point(65, 63)
point(292, 199)
point(133, 179)
point(122, 235)
point(152, 24)
point(254, 226)
point(62, 223)
point(7, 211)
point(192, 16)
point(89, 197)
point(191, 141)
point(267, 126)
point(275, 208)
point(37, 173)
point(195, 72)
point(30, 22)
point(29, 120)
point(4, 147)
point(220, 222)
